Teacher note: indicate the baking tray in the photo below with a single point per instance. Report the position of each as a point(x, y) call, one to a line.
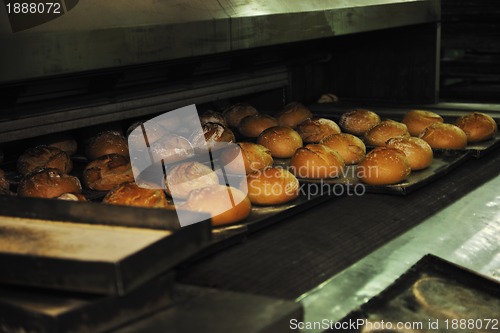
point(207, 310)
point(443, 162)
point(477, 150)
point(112, 249)
point(397, 303)
point(34, 310)
point(264, 216)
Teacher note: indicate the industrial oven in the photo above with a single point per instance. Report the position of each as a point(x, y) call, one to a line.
point(96, 64)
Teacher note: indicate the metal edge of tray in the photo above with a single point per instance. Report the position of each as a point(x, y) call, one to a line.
point(31, 310)
point(259, 219)
point(91, 213)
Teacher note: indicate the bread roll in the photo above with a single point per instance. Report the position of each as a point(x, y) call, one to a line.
point(316, 161)
point(213, 136)
point(316, 129)
point(235, 113)
point(189, 176)
point(72, 197)
point(129, 194)
point(358, 121)
point(252, 126)
point(106, 143)
point(383, 166)
point(417, 151)
point(254, 157)
point(211, 116)
point(224, 203)
point(107, 172)
point(41, 157)
point(477, 126)
point(281, 141)
point(293, 114)
point(327, 98)
point(271, 186)
point(444, 136)
point(385, 130)
point(349, 147)
point(48, 183)
point(171, 148)
point(135, 133)
point(418, 120)
point(64, 141)
point(4, 183)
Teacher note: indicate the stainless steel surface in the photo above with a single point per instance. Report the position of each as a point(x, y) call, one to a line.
point(134, 104)
point(106, 34)
point(466, 233)
point(264, 22)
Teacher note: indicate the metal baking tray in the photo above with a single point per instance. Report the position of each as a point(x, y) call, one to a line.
point(397, 303)
point(264, 216)
point(111, 250)
point(443, 162)
point(333, 111)
point(207, 310)
point(34, 310)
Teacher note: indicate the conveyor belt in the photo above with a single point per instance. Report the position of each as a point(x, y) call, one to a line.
point(294, 256)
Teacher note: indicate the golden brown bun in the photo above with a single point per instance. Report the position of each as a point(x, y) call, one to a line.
point(48, 183)
point(293, 114)
point(271, 186)
point(316, 161)
point(72, 197)
point(252, 126)
point(417, 151)
point(213, 136)
point(477, 126)
point(254, 157)
point(385, 130)
point(316, 129)
point(154, 132)
point(444, 136)
point(328, 98)
point(129, 194)
point(384, 166)
point(358, 121)
point(107, 172)
point(171, 148)
point(189, 176)
point(4, 183)
point(106, 143)
point(281, 141)
point(349, 147)
point(211, 116)
point(418, 120)
point(64, 141)
point(41, 157)
point(224, 203)
point(235, 113)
